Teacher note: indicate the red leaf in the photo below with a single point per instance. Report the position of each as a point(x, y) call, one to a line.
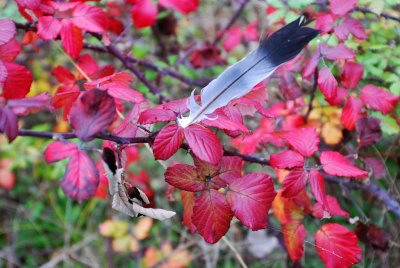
point(352, 74)
point(341, 7)
point(212, 215)
point(289, 87)
point(167, 142)
point(232, 164)
point(88, 64)
point(250, 32)
point(206, 56)
point(312, 64)
point(350, 26)
point(228, 118)
point(154, 115)
point(325, 22)
point(332, 208)
point(337, 246)
point(7, 31)
point(327, 83)
point(294, 235)
point(144, 13)
point(129, 126)
point(48, 27)
point(287, 159)
point(59, 150)
point(9, 51)
point(81, 177)
point(339, 52)
point(204, 143)
point(373, 236)
point(368, 130)
point(18, 81)
point(188, 199)
point(92, 113)
point(7, 177)
point(183, 6)
point(102, 189)
point(294, 182)
point(304, 140)
point(233, 38)
point(89, 18)
point(65, 97)
point(71, 38)
point(124, 93)
point(184, 177)
point(377, 167)
point(336, 164)
point(341, 93)
point(379, 99)
point(351, 112)
point(120, 78)
point(63, 75)
point(3, 74)
point(32, 104)
point(317, 184)
point(8, 123)
point(250, 198)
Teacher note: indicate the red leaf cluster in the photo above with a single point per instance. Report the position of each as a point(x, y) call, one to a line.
point(81, 177)
point(213, 194)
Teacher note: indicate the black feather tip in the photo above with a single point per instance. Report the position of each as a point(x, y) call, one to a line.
point(286, 43)
point(109, 158)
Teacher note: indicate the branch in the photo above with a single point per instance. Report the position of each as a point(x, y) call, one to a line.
point(313, 91)
point(123, 58)
point(151, 66)
point(71, 135)
point(363, 10)
point(235, 16)
point(385, 15)
point(372, 189)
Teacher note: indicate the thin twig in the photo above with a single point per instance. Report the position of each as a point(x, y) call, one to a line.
point(312, 95)
point(66, 252)
point(148, 65)
point(124, 59)
point(325, 4)
point(235, 16)
point(372, 189)
point(235, 252)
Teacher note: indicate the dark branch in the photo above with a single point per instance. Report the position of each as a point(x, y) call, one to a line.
point(312, 96)
point(235, 16)
point(151, 66)
point(365, 10)
point(124, 59)
point(391, 203)
point(384, 15)
point(371, 188)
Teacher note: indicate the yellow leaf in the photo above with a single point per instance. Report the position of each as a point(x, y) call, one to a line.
point(113, 228)
point(142, 228)
point(121, 244)
point(331, 134)
point(151, 257)
point(134, 245)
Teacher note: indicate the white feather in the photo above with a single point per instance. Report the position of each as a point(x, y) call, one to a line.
point(158, 214)
point(240, 78)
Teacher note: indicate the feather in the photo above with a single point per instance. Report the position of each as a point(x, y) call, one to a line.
point(240, 78)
